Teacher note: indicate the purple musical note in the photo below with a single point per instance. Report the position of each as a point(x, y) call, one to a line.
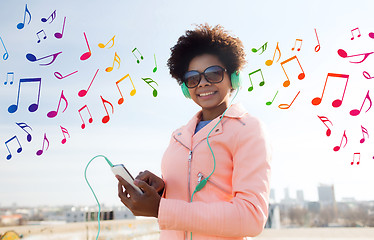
point(31, 57)
point(18, 150)
point(23, 126)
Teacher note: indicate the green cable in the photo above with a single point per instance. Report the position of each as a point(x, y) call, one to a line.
point(205, 180)
point(85, 177)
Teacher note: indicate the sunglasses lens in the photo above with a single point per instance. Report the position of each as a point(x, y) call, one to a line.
point(214, 74)
point(192, 78)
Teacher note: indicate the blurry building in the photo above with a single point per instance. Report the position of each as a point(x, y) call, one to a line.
point(326, 195)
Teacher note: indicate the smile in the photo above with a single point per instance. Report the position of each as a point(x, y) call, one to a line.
point(205, 94)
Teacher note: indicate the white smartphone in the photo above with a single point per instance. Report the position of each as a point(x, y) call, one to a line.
point(119, 169)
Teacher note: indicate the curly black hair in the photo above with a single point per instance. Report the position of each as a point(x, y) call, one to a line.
point(206, 40)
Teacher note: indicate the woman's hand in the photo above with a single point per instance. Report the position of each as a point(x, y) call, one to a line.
point(152, 180)
point(140, 204)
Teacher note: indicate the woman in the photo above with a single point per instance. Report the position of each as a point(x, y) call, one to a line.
point(216, 169)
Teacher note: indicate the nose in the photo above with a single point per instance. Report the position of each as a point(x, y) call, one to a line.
point(203, 82)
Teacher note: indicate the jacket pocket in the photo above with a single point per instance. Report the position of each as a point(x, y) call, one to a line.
point(201, 176)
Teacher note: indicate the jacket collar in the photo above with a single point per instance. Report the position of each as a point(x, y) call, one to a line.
point(185, 135)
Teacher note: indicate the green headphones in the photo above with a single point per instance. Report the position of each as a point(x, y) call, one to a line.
point(235, 83)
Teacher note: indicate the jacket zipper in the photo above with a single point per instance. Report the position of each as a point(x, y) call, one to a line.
point(201, 177)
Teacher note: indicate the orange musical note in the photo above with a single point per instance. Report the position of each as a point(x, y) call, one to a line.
point(301, 76)
point(359, 156)
point(263, 48)
point(270, 62)
point(364, 130)
point(325, 119)
point(90, 120)
point(359, 34)
point(356, 112)
point(86, 55)
point(149, 81)
point(337, 102)
point(116, 59)
point(53, 114)
point(83, 92)
point(106, 118)
point(270, 102)
point(21, 25)
point(64, 131)
point(344, 54)
point(132, 93)
point(111, 40)
point(337, 148)
point(301, 43)
point(287, 106)
point(37, 34)
point(141, 56)
point(18, 150)
point(40, 152)
point(23, 126)
point(262, 83)
point(318, 47)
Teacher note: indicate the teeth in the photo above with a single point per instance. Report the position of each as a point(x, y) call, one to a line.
point(206, 94)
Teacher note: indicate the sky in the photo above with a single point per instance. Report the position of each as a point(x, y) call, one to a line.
point(139, 129)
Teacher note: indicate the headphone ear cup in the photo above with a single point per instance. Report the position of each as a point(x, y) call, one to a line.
point(236, 80)
point(185, 91)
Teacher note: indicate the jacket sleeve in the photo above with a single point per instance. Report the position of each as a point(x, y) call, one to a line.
point(246, 213)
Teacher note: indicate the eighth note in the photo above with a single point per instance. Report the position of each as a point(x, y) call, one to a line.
point(270, 62)
point(37, 34)
point(90, 120)
point(356, 112)
point(31, 57)
point(359, 156)
point(141, 56)
point(21, 25)
point(53, 114)
point(34, 106)
point(337, 148)
point(359, 34)
point(106, 118)
point(133, 91)
point(116, 59)
point(111, 40)
point(262, 83)
point(7, 78)
point(301, 76)
point(18, 150)
point(344, 54)
point(40, 152)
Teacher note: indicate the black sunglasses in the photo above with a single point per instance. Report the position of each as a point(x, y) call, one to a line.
point(213, 74)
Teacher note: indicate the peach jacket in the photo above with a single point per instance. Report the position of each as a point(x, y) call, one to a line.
point(234, 202)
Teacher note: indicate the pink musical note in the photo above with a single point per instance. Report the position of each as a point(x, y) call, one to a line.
point(325, 119)
point(364, 130)
point(106, 118)
point(318, 47)
point(37, 34)
point(83, 92)
point(40, 152)
point(367, 75)
point(344, 54)
point(53, 16)
point(86, 55)
point(371, 35)
point(64, 131)
point(23, 126)
point(287, 106)
point(132, 93)
point(34, 106)
point(337, 102)
point(270, 102)
point(111, 40)
point(59, 35)
point(359, 156)
point(262, 83)
point(359, 34)
point(116, 59)
point(270, 62)
point(149, 81)
point(337, 148)
point(301, 76)
point(90, 120)
point(31, 57)
point(301, 43)
point(53, 114)
point(59, 75)
point(18, 150)
point(356, 112)
point(21, 25)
